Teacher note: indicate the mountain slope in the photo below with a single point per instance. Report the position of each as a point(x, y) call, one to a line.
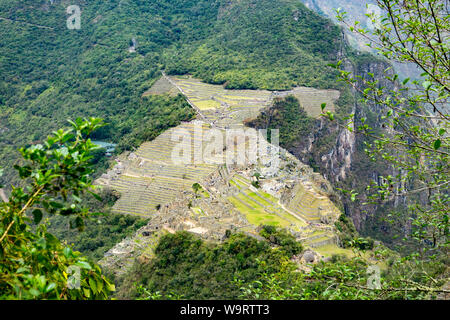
point(50, 73)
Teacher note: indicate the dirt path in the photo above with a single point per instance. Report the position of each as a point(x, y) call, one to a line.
point(185, 95)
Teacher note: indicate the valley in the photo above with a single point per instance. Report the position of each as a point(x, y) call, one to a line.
point(223, 149)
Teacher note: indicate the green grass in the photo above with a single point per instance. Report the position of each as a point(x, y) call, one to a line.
point(237, 184)
point(286, 216)
point(257, 215)
point(207, 104)
point(332, 249)
point(259, 198)
point(242, 178)
point(198, 211)
point(269, 197)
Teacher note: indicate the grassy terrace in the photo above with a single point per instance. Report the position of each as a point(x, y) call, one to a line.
point(209, 98)
point(198, 212)
point(153, 180)
point(311, 99)
point(261, 208)
point(257, 215)
point(309, 205)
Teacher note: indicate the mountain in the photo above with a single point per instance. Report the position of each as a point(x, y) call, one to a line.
point(155, 69)
point(50, 73)
point(241, 44)
point(358, 11)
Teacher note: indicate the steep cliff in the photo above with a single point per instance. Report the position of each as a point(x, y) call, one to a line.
point(337, 153)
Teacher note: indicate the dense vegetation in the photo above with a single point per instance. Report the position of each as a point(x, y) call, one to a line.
point(101, 231)
point(289, 117)
point(188, 267)
point(34, 264)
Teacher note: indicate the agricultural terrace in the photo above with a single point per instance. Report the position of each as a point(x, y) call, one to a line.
point(311, 99)
point(260, 207)
point(239, 105)
point(151, 179)
point(221, 106)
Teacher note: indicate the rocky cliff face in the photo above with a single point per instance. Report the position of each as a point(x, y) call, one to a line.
point(356, 11)
point(337, 153)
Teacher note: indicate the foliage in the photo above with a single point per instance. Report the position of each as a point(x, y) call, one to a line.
point(344, 279)
point(348, 235)
point(282, 238)
point(101, 232)
point(252, 46)
point(34, 264)
point(415, 141)
point(241, 267)
point(186, 266)
point(289, 117)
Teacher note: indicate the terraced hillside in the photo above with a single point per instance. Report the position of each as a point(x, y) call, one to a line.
point(225, 107)
point(308, 215)
point(311, 99)
point(260, 207)
point(152, 181)
point(313, 207)
point(148, 179)
point(220, 106)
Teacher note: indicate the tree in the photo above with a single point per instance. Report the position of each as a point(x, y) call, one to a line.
point(413, 138)
point(33, 263)
point(196, 187)
point(414, 141)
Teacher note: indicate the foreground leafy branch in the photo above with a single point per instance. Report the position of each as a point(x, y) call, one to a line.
point(412, 134)
point(33, 263)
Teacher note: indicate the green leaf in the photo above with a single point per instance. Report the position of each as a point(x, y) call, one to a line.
point(50, 287)
point(111, 287)
point(37, 215)
point(437, 144)
point(323, 105)
point(99, 286)
point(84, 265)
point(93, 285)
point(442, 131)
point(56, 204)
point(426, 85)
point(67, 252)
point(34, 292)
point(42, 243)
point(96, 196)
point(87, 292)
